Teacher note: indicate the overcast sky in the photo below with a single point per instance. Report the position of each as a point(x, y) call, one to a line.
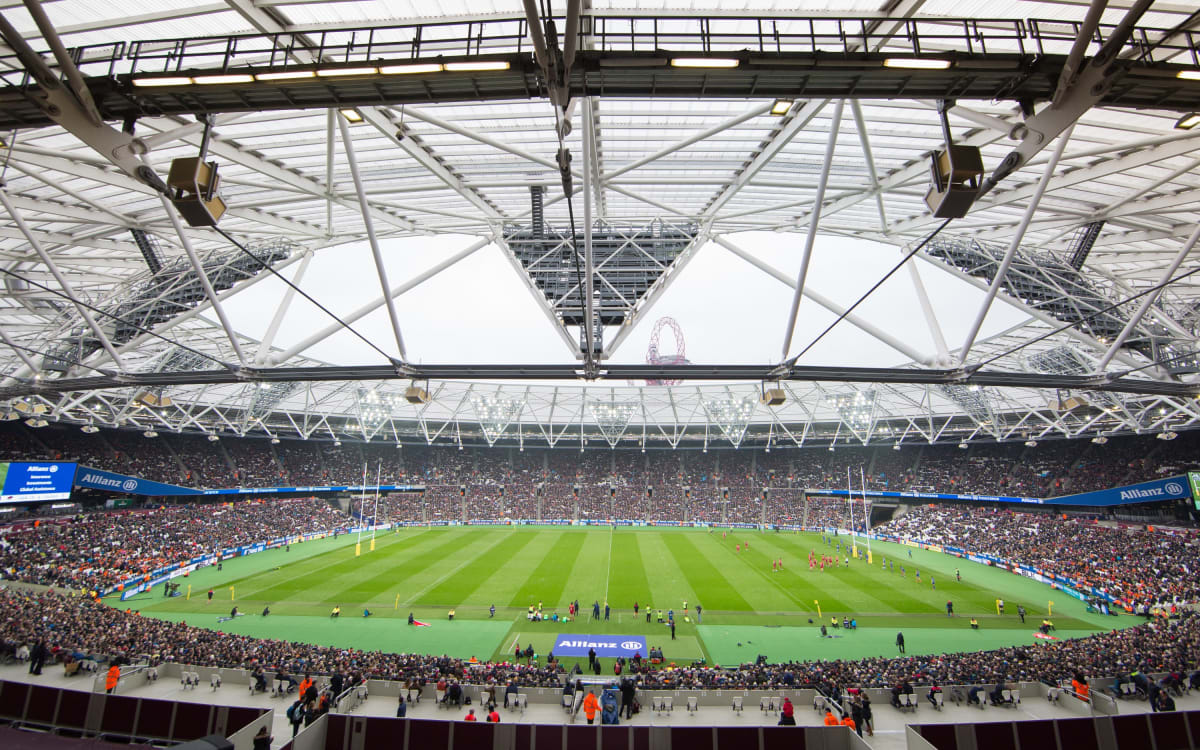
point(479, 311)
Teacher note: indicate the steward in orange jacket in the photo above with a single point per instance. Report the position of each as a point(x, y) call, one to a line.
point(110, 680)
point(590, 706)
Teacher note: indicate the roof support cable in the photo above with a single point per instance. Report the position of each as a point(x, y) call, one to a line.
point(869, 292)
point(267, 267)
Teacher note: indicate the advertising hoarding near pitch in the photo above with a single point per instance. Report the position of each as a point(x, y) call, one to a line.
point(570, 644)
point(1194, 481)
point(25, 482)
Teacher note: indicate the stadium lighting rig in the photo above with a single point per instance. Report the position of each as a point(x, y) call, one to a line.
point(495, 413)
point(612, 418)
point(732, 416)
point(856, 410)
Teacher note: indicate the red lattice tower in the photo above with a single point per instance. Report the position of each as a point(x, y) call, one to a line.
point(654, 355)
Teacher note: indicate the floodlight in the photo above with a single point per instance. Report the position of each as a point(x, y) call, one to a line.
point(1188, 121)
point(160, 81)
point(1189, 75)
point(1099, 440)
point(896, 447)
point(1030, 443)
point(36, 422)
point(963, 446)
point(150, 434)
point(477, 66)
point(227, 78)
point(704, 62)
point(90, 429)
point(274, 441)
point(337, 443)
point(352, 115)
point(334, 72)
point(285, 75)
point(394, 70)
point(781, 106)
point(213, 438)
point(1168, 435)
point(916, 63)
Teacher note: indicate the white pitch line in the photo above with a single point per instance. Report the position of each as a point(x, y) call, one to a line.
point(608, 571)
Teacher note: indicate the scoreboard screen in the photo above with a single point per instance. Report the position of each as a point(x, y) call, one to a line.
point(27, 482)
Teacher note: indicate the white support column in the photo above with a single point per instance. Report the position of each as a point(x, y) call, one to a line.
point(860, 124)
point(589, 269)
point(375, 304)
point(1148, 301)
point(814, 221)
point(62, 280)
point(33, 367)
point(202, 277)
point(828, 304)
point(1018, 235)
point(380, 270)
point(264, 346)
point(331, 115)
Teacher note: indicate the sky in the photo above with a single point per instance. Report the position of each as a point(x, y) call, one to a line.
point(479, 311)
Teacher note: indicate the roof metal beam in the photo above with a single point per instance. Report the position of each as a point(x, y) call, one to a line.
point(833, 307)
point(1148, 301)
point(372, 240)
point(1014, 245)
point(386, 297)
point(61, 279)
point(814, 221)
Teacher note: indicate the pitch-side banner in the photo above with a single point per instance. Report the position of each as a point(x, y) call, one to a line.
point(98, 479)
point(605, 645)
point(1171, 488)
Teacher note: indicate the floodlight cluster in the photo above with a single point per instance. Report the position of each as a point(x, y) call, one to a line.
point(857, 410)
point(374, 408)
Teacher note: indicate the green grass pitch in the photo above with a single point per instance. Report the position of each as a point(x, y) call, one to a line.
point(748, 608)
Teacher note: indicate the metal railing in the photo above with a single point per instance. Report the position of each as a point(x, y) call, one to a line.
point(615, 33)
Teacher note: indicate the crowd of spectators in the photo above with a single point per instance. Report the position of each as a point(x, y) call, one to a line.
point(78, 627)
point(94, 551)
point(1047, 469)
point(75, 628)
point(1133, 565)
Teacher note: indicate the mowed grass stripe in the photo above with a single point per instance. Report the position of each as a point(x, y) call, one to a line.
point(854, 586)
point(456, 588)
point(701, 575)
point(322, 563)
point(668, 584)
point(391, 567)
point(792, 591)
point(586, 580)
point(548, 580)
point(499, 583)
point(627, 582)
point(861, 587)
point(373, 580)
point(311, 575)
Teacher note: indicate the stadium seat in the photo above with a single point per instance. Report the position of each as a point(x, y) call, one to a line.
point(568, 702)
point(668, 704)
point(521, 701)
point(151, 674)
point(189, 680)
point(1006, 697)
point(693, 704)
point(767, 703)
point(278, 688)
point(939, 701)
point(441, 698)
point(214, 681)
point(737, 704)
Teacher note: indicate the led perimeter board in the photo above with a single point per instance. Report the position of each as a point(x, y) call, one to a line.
point(22, 482)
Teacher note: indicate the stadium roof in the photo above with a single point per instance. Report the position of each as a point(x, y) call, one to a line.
point(759, 173)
